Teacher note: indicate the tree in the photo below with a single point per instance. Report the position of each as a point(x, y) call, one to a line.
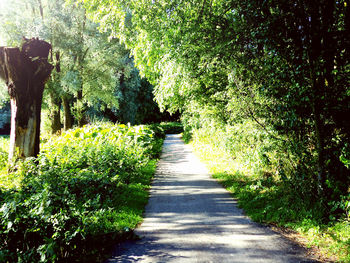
point(310, 40)
point(25, 72)
point(284, 65)
point(87, 64)
point(94, 73)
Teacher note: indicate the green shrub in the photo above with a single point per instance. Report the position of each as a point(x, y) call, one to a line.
point(84, 192)
point(270, 186)
point(172, 127)
point(4, 146)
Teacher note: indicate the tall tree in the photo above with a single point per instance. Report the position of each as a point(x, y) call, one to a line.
point(282, 64)
point(87, 63)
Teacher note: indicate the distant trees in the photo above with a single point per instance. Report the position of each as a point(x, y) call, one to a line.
point(5, 118)
point(93, 75)
point(283, 64)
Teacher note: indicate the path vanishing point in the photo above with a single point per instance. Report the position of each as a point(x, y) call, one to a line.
point(191, 218)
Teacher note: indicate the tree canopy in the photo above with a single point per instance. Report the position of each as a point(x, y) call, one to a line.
point(284, 65)
point(93, 75)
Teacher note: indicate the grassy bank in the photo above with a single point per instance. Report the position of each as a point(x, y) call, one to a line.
point(85, 192)
point(242, 158)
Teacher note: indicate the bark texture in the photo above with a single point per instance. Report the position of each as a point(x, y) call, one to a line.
point(25, 71)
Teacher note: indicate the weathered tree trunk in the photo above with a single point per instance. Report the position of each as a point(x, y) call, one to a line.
point(25, 72)
point(68, 117)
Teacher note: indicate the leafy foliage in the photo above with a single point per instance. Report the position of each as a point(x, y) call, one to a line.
point(5, 117)
point(244, 164)
point(171, 127)
point(4, 147)
point(86, 190)
point(282, 65)
point(94, 77)
point(268, 80)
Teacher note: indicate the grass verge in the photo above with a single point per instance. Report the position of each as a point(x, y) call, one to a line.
point(266, 200)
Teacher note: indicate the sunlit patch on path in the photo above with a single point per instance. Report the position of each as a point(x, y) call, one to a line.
point(191, 218)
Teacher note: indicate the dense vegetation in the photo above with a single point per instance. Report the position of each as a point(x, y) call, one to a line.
point(5, 119)
point(282, 65)
point(271, 77)
point(94, 76)
point(85, 191)
point(249, 166)
point(263, 83)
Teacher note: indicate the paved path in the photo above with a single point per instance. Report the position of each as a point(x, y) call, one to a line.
point(191, 218)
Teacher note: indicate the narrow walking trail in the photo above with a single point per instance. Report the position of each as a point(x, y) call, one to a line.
point(191, 218)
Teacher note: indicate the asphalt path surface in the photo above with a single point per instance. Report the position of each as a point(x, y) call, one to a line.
point(191, 218)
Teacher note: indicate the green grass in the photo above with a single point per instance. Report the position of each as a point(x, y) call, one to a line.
point(4, 143)
point(4, 148)
point(266, 199)
point(85, 192)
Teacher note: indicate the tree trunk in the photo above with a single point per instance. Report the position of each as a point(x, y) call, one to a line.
point(320, 142)
point(25, 72)
point(55, 114)
point(68, 117)
point(56, 101)
point(81, 108)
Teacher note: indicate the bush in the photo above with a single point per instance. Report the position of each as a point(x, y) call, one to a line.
point(4, 145)
point(270, 185)
point(84, 192)
point(172, 127)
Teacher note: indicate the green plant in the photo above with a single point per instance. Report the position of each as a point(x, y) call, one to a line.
point(252, 166)
point(85, 191)
point(4, 145)
point(172, 127)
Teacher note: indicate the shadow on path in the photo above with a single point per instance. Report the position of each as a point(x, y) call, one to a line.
point(191, 218)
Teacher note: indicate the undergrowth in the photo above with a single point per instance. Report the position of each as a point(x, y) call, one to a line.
point(171, 127)
point(84, 192)
point(246, 162)
point(4, 147)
